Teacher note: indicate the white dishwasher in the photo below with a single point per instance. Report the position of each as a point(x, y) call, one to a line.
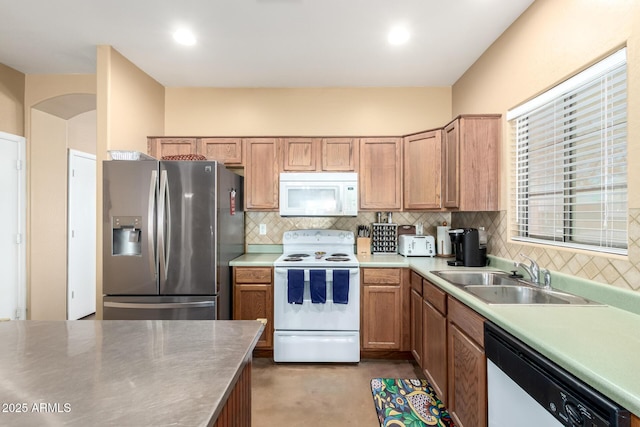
point(525, 389)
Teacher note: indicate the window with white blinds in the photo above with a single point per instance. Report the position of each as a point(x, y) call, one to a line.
point(570, 171)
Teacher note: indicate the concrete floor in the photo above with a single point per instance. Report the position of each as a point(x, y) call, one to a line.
point(320, 395)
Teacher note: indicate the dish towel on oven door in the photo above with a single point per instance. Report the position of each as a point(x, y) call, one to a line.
point(341, 286)
point(318, 286)
point(295, 286)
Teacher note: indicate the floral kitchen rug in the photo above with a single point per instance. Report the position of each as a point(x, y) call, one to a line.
point(408, 403)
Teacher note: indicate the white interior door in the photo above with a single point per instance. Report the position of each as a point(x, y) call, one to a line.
point(81, 238)
point(13, 287)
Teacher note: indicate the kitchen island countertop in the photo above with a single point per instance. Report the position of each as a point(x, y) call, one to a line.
point(117, 373)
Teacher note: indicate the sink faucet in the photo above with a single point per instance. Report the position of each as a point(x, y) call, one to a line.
point(532, 270)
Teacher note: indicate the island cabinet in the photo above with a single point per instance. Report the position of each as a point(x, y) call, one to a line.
point(380, 177)
point(319, 154)
point(434, 336)
point(467, 366)
point(422, 170)
point(470, 165)
point(225, 150)
point(416, 317)
point(261, 174)
point(384, 325)
point(253, 299)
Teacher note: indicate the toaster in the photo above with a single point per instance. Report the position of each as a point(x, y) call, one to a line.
point(412, 245)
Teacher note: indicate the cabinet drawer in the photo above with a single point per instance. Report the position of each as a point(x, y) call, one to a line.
point(435, 296)
point(416, 282)
point(381, 276)
point(467, 320)
point(252, 275)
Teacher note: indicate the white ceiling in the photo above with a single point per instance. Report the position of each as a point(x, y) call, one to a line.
point(258, 43)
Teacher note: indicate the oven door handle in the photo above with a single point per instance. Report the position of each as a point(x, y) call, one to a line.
point(283, 270)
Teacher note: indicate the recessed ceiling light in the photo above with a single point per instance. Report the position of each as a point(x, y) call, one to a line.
point(184, 37)
point(398, 35)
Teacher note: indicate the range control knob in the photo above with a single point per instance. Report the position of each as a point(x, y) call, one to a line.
point(573, 413)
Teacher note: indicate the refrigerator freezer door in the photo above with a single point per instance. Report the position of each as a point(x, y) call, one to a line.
point(129, 222)
point(159, 308)
point(187, 254)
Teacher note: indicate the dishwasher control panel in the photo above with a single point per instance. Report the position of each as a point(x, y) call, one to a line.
point(570, 401)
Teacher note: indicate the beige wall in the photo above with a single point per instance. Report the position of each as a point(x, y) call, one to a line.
point(306, 111)
point(81, 132)
point(47, 143)
point(47, 228)
point(552, 40)
point(12, 84)
point(130, 106)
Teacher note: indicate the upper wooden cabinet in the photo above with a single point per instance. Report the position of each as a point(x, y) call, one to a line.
point(422, 170)
point(339, 154)
point(470, 174)
point(261, 174)
point(319, 154)
point(380, 177)
point(300, 154)
point(159, 147)
point(225, 150)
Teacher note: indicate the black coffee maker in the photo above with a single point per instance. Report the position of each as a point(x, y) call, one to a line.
point(466, 245)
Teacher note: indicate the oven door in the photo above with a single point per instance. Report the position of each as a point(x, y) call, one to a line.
point(316, 317)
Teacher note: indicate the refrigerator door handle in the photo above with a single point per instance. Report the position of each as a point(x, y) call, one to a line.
point(153, 194)
point(162, 305)
point(162, 223)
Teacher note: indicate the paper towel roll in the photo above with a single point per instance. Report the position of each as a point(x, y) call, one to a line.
point(443, 240)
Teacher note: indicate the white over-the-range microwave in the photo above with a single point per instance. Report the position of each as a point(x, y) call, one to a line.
point(319, 194)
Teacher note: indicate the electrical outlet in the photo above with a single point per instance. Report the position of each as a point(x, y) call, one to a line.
point(263, 229)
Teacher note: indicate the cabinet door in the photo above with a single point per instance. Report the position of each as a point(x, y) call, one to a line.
point(252, 302)
point(159, 147)
point(339, 154)
point(422, 171)
point(479, 171)
point(261, 174)
point(451, 165)
point(416, 326)
point(467, 401)
point(299, 154)
point(225, 150)
point(380, 176)
point(381, 317)
point(434, 354)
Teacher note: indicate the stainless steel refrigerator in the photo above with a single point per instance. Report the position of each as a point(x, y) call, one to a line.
point(170, 230)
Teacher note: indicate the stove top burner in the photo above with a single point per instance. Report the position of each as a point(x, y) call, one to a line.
point(297, 255)
point(337, 258)
point(291, 258)
point(340, 254)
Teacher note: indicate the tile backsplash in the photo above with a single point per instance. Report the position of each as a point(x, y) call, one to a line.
point(276, 225)
point(600, 268)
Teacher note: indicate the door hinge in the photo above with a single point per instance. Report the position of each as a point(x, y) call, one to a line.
point(19, 164)
point(18, 238)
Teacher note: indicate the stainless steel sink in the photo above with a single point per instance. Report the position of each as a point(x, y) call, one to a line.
point(524, 295)
point(497, 287)
point(477, 278)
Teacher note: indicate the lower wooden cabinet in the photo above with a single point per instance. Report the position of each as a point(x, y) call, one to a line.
point(467, 366)
point(381, 309)
point(253, 299)
point(416, 317)
point(434, 335)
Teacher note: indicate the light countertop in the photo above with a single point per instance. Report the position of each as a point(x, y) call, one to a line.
point(120, 373)
point(598, 344)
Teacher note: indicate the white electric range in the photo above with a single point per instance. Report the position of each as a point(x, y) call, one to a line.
point(317, 298)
